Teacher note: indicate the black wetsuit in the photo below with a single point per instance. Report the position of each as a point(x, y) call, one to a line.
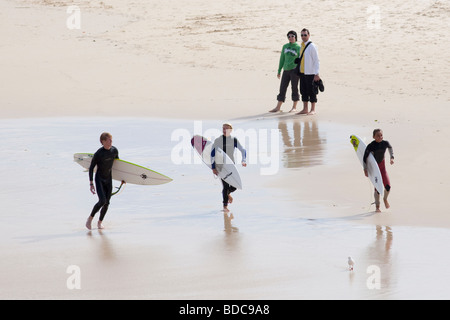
point(227, 144)
point(104, 160)
point(378, 149)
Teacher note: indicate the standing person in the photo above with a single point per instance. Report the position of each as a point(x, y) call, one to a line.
point(309, 72)
point(289, 53)
point(103, 159)
point(228, 145)
point(378, 149)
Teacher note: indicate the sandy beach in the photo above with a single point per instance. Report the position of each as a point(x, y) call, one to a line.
point(154, 73)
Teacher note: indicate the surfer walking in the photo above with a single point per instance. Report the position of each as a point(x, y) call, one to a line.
point(103, 159)
point(378, 149)
point(228, 144)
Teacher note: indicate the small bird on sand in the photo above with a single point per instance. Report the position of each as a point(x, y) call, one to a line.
point(351, 263)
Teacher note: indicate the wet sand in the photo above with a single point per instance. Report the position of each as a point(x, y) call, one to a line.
point(306, 205)
point(174, 242)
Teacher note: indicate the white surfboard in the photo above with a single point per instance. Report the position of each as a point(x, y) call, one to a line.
point(126, 171)
point(224, 165)
point(373, 170)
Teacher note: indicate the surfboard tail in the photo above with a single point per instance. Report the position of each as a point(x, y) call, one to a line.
point(199, 143)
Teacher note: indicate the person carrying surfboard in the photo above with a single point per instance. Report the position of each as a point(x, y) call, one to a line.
point(378, 149)
point(104, 160)
point(228, 144)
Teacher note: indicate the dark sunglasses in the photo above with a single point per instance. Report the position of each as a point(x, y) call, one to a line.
point(304, 35)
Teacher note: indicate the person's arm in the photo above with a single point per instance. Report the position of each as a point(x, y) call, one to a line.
point(366, 154)
point(91, 173)
point(123, 181)
point(238, 145)
point(281, 63)
point(316, 62)
point(213, 159)
point(391, 152)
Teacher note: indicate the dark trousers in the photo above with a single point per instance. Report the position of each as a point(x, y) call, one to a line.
point(227, 189)
point(307, 88)
point(287, 77)
point(104, 190)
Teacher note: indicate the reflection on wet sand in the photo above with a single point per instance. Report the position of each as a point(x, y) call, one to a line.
point(229, 228)
point(105, 248)
point(232, 240)
point(380, 255)
point(303, 145)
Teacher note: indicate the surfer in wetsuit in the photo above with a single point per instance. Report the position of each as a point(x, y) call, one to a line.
point(103, 159)
point(228, 145)
point(378, 149)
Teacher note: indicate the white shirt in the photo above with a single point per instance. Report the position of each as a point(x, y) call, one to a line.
point(311, 57)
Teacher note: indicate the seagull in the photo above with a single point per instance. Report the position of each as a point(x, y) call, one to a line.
point(351, 263)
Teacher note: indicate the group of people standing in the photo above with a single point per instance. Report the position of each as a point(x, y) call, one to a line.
point(300, 64)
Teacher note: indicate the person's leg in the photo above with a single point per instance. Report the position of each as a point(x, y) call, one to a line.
point(281, 97)
point(108, 191)
point(386, 194)
point(224, 194)
point(305, 108)
point(101, 201)
point(89, 223)
point(294, 106)
point(312, 94)
point(278, 107)
point(230, 190)
point(294, 86)
point(386, 182)
point(226, 191)
point(377, 201)
point(102, 215)
point(313, 109)
point(304, 94)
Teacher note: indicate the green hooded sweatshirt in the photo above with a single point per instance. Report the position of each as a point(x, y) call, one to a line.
point(289, 53)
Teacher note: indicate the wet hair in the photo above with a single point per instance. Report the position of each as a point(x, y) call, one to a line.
point(376, 131)
point(292, 32)
point(104, 136)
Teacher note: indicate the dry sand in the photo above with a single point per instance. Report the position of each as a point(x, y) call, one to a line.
point(214, 61)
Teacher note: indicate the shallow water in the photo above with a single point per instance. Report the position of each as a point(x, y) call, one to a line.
point(173, 241)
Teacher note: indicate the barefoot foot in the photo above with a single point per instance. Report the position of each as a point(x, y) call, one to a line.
point(89, 222)
point(99, 225)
